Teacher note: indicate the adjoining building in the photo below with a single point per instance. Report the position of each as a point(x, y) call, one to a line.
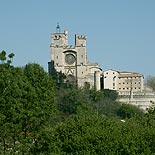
point(123, 82)
point(72, 60)
point(130, 87)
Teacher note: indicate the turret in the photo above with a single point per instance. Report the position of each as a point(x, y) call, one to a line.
point(97, 83)
point(80, 40)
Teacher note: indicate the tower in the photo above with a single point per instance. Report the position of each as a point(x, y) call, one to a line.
point(72, 60)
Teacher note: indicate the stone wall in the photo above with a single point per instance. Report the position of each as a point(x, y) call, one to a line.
point(142, 100)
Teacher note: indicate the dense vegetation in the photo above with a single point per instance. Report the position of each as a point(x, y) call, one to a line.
point(39, 114)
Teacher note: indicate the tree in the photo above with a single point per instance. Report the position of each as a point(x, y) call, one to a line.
point(15, 94)
point(127, 111)
point(90, 133)
point(58, 77)
point(11, 55)
point(3, 56)
point(103, 102)
point(71, 100)
point(27, 109)
point(150, 82)
point(43, 108)
point(111, 94)
point(84, 134)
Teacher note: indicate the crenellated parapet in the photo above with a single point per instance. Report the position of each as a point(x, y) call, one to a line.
point(80, 40)
point(59, 39)
point(81, 36)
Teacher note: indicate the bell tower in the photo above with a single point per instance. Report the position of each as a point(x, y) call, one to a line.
point(72, 60)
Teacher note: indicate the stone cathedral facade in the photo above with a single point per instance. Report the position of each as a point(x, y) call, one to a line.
point(72, 60)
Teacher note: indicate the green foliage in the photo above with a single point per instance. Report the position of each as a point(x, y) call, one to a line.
point(103, 102)
point(80, 135)
point(110, 94)
point(43, 85)
point(58, 78)
point(30, 122)
point(3, 58)
point(128, 111)
point(27, 109)
point(11, 55)
point(13, 89)
point(71, 101)
point(92, 134)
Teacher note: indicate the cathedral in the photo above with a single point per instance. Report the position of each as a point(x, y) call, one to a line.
point(72, 60)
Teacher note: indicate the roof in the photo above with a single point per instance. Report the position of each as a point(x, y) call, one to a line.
point(126, 74)
point(112, 70)
point(130, 74)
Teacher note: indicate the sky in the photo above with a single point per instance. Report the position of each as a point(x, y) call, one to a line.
point(120, 33)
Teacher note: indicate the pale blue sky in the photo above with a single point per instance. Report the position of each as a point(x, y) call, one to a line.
point(120, 33)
